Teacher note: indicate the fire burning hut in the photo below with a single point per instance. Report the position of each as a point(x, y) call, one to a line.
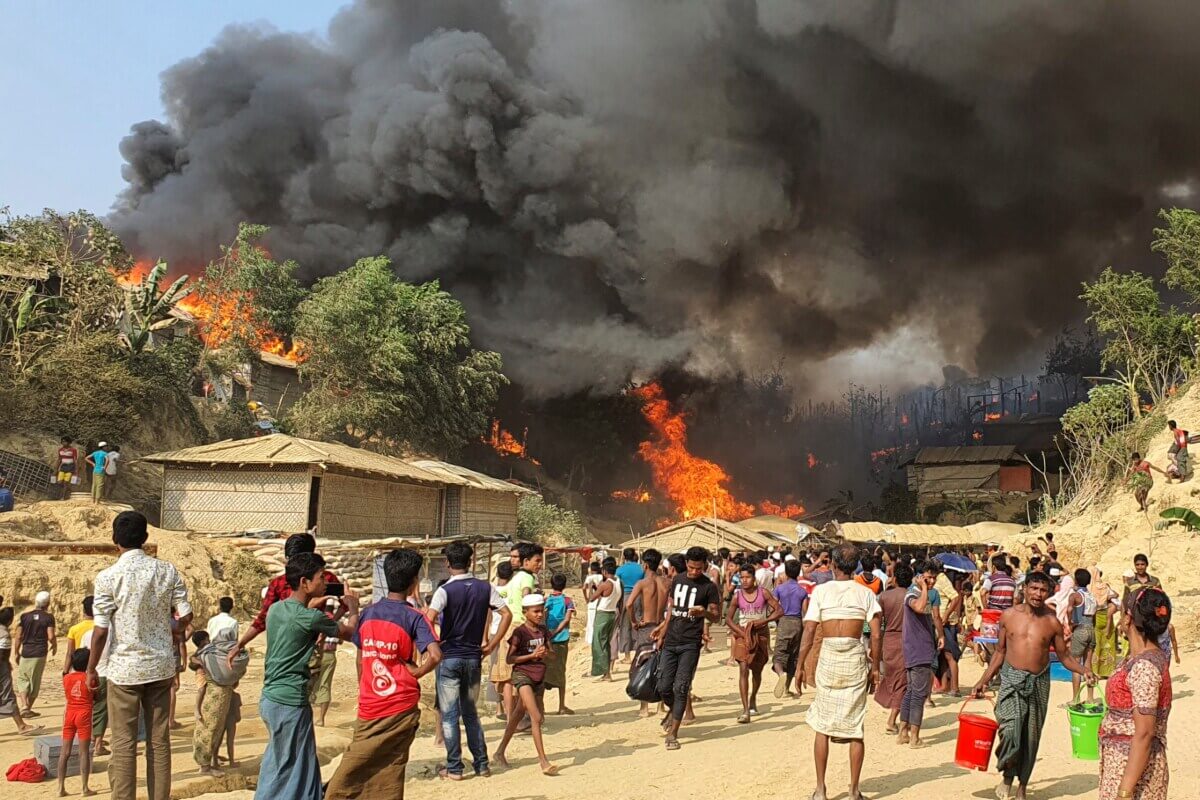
point(707, 532)
point(288, 484)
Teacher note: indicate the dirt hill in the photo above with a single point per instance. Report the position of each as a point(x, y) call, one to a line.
point(1112, 530)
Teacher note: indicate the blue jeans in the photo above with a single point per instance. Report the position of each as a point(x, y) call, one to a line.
point(457, 692)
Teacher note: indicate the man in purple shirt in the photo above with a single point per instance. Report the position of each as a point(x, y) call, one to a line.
point(793, 599)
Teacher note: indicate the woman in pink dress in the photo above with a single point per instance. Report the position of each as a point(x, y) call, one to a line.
point(1133, 736)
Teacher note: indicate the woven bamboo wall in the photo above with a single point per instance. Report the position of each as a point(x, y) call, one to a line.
point(363, 507)
point(485, 513)
point(216, 500)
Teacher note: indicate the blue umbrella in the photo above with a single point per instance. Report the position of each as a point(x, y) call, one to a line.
point(956, 562)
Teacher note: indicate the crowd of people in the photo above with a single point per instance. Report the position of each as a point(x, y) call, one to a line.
point(846, 622)
point(102, 466)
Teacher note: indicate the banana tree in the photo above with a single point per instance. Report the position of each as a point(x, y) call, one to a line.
point(147, 310)
point(30, 314)
point(1182, 516)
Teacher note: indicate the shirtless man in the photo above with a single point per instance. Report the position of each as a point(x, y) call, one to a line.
point(1023, 660)
point(645, 609)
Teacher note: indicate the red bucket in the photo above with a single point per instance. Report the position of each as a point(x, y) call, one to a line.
point(976, 736)
point(989, 627)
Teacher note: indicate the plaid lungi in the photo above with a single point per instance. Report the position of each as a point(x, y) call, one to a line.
point(840, 706)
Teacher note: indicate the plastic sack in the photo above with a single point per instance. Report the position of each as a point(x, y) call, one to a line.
point(643, 677)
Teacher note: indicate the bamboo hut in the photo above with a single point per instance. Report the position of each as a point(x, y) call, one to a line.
point(707, 532)
point(287, 484)
point(479, 505)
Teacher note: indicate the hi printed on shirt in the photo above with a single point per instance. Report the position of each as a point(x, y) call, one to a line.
point(684, 598)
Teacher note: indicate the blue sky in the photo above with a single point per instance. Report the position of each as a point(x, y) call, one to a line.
point(78, 74)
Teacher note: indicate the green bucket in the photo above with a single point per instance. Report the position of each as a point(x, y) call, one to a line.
point(1085, 731)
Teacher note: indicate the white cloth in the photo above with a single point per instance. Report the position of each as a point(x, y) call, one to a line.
point(842, 600)
point(110, 463)
point(613, 601)
point(221, 622)
point(878, 573)
point(133, 600)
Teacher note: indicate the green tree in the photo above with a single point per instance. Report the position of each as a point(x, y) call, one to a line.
point(1179, 243)
point(148, 310)
point(391, 363)
point(539, 521)
point(1148, 347)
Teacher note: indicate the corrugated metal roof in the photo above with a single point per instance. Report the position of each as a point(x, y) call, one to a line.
point(957, 478)
point(472, 478)
point(279, 448)
point(965, 455)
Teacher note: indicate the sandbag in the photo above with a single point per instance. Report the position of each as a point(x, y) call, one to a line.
point(643, 677)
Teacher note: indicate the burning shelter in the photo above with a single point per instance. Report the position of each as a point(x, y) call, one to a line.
point(288, 484)
point(708, 532)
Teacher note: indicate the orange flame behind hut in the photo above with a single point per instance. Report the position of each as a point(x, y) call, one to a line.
point(506, 444)
point(696, 486)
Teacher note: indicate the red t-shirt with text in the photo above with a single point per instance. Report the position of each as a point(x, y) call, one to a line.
point(389, 634)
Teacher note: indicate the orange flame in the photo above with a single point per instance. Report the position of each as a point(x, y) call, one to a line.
point(813, 461)
point(506, 444)
point(695, 485)
point(992, 416)
point(904, 419)
point(977, 435)
point(137, 273)
point(879, 455)
point(791, 510)
point(632, 495)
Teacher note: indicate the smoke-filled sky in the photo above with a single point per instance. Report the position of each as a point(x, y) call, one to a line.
point(863, 190)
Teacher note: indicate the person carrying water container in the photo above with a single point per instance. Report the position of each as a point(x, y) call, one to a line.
point(1083, 628)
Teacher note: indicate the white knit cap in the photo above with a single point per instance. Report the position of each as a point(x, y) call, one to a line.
point(789, 557)
point(41, 599)
point(531, 600)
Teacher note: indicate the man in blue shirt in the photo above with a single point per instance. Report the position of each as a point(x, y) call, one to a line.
point(96, 460)
point(463, 603)
point(628, 574)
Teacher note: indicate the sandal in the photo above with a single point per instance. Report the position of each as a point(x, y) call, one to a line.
point(672, 744)
point(744, 718)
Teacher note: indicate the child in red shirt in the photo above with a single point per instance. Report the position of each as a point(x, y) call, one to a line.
point(77, 721)
point(528, 651)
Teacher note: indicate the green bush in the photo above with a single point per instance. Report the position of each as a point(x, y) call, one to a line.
point(539, 521)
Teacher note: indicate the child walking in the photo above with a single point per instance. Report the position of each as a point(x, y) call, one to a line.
point(560, 610)
point(77, 722)
point(528, 650)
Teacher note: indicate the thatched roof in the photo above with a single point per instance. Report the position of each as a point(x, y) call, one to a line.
point(279, 449)
point(918, 535)
point(704, 532)
point(476, 480)
point(773, 524)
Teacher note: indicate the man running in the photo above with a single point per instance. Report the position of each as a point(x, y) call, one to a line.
point(1022, 659)
point(693, 598)
point(645, 609)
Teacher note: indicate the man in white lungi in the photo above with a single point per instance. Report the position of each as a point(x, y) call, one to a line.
point(844, 676)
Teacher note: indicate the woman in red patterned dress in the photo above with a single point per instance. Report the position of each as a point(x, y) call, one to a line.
point(1133, 736)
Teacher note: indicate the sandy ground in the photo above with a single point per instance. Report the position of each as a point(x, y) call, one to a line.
point(606, 750)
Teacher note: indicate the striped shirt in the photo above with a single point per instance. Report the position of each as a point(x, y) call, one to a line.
point(1001, 589)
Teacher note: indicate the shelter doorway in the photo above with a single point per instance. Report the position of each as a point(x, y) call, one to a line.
point(314, 502)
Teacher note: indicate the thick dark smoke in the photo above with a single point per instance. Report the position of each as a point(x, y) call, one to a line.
point(863, 189)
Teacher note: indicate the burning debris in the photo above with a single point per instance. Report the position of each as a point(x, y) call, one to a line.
point(696, 486)
point(638, 495)
point(506, 444)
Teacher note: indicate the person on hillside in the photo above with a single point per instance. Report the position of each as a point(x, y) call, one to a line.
point(35, 641)
point(77, 722)
point(1022, 659)
point(96, 460)
point(289, 766)
point(923, 639)
point(999, 588)
point(134, 599)
point(845, 672)
point(1140, 480)
point(629, 573)
point(223, 620)
point(608, 594)
point(890, 690)
point(1179, 450)
point(1141, 579)
point(66, 468)
point(111, 460)
point(645, 607)
point(8, 699)
point(462, 605)
point(693, 598)
point(752, 610)
point(1133, 734)
point(528, 652)
point(789, 630)
point(390, 635)
point(560, 610)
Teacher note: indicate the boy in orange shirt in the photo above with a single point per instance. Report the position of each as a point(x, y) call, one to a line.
point(77, 721)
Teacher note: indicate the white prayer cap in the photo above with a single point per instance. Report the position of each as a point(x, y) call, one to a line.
point(1055, 572)
point(789, 557)
point(103, 444)
point(775, 556)
point(531, 600)
point(41, 599)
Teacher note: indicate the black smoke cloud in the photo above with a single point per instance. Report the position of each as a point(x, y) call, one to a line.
point(863, 189)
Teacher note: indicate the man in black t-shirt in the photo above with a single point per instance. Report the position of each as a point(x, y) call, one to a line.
point(692, 599)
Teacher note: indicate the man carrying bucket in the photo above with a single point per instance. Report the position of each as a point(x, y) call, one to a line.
point(1023, 660)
